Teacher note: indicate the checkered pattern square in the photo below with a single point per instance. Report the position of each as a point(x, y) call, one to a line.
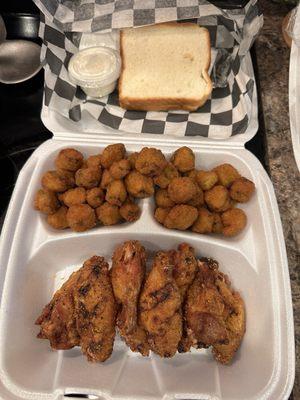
point(226, 113)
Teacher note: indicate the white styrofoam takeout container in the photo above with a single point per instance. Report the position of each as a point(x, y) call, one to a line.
point(35, 259)
point(294, 98)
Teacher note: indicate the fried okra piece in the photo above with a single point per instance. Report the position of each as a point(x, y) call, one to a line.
point(58, 220)
point(132, 159)
point(165, 177)
point(192, 175)
point(182, 190)
point(108, 214)
point(217, 198)
point(68, 176)
point(73, 196)
point(227, 174)
point(112, 153)
point(46, 201)
point(69, 159)
point(116, 193)
point(181, 217)
point(81, 217)
point(139, 185)
point(206, 179)
point(183, 159)
point(106, 179)
point(94, 161)
point(130, 211)
point(162, 199)
point(218, 225)
point(204, 222)
point(95, 197)
point(160, 214)
point(198, 199)
point(234, 221)
point(119, 169)
point(241, 190)
point(57, 181)
point(150, 161)
point(88, 177)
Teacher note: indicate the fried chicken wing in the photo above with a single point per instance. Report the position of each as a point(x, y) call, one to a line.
point(57, 320)
point(182, 303)
point(214, 313)
point(127, 275)
point(204, 310)
point(95, 309)
point(235, 322)
point(160, 307)
point(184, 271)
point(185, 266)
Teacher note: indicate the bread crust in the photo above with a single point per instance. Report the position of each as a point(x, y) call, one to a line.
point(165, 104)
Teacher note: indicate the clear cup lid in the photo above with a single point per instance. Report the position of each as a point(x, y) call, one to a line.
point(95, 65)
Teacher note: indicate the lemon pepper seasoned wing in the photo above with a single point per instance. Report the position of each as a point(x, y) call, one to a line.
point(235, 322)
point(127, 275)
point(185, 267)
point(57, 320)
point(95, 309)
point(214, 313)
point(205, 309)
point(160, 307)
point(184, 271)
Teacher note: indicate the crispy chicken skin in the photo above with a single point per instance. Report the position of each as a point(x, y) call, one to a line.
point(181, 303)
point(127, 276)
point(235, 321)
point(57, 320)
point(184, 271)
point(160, 307)
point(185, 267)
point(214, 314)
point(204, 310)
point(95, 309)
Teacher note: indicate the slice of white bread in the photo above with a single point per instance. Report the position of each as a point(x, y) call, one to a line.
point(164, 67)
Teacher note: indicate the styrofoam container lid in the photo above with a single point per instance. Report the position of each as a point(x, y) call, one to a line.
point(294, 100)
point(294, 82)
point(95, 66)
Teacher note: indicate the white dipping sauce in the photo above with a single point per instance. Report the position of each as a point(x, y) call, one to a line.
point(96, 70)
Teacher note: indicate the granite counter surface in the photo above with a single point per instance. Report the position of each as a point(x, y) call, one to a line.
point(273, 63)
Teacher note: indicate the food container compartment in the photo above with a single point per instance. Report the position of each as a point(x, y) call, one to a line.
point(38, 260)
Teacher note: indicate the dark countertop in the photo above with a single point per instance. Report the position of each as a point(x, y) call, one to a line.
point(273, 63)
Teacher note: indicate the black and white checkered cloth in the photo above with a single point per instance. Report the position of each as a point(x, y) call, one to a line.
point(226, 113)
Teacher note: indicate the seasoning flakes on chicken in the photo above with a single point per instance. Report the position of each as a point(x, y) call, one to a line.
point(95, 309)
point(127, 275)
point(214, 314)
point(184, 271)
point(185, 267)
point(235, 321)
point(181, 303)
point(160, 307)
point(57, 321)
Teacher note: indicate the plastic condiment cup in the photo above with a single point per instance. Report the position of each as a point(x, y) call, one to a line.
point(96, 70)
